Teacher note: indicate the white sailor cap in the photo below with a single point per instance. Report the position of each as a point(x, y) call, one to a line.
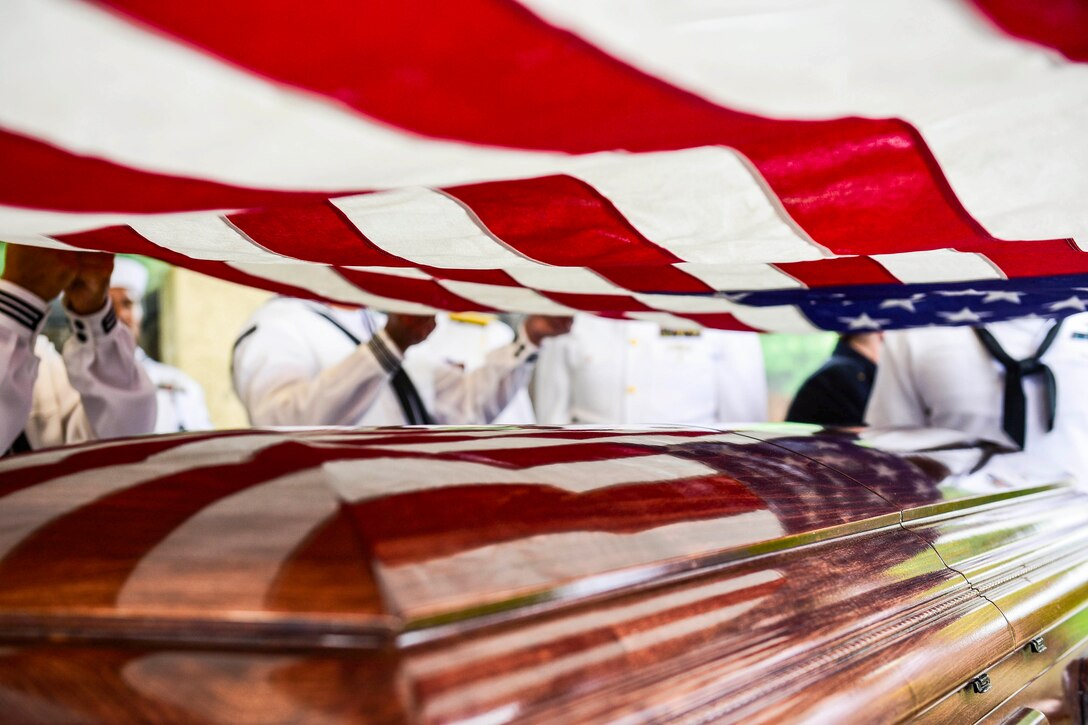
point(129, 274)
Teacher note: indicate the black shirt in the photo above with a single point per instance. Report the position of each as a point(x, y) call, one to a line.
point(837, 393)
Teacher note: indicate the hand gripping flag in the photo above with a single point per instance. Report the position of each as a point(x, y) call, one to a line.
point(773, 165)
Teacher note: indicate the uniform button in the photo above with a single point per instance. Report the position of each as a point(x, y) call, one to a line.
point(630, 389)
point(79, 324)
point(633, 342)
point(81, 337)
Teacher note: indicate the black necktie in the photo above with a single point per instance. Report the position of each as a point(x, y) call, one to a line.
point(20, 445)
point(415, 413)
point(1014, 417)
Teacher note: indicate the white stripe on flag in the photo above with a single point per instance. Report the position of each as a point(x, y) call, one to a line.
point(679, 304)
point(405, 272)
point(427, 227)
point(779, 318)
point(702, 204)
point(17, 222)
point(740, 276)
point(215, 544)
point(1003, 117)
point(37, 240)
point(332, 285)
point(171, 108)
point(576, 280)
point(510, 299)
point(664, 320)
point(938, 265)
point(202, 235)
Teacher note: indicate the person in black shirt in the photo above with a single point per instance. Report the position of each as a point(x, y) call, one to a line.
point(837, 393)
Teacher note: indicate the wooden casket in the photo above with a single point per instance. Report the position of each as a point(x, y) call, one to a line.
point(486, 575)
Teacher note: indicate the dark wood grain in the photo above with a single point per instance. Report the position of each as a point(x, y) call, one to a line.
point(53, 684)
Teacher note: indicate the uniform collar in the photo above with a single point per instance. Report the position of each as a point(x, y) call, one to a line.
point(844, 349)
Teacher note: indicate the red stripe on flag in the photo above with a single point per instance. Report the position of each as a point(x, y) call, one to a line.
point(125, 240)
point(315, 231)
point(598, 303)
point(838, 272)
point(1058, 24)
point(490, 72)
point(665, 279)
point(1035, 259)
point(718, 321)
point(424, 291)
point(559, 220)
point(41, 176)
point(476, 276)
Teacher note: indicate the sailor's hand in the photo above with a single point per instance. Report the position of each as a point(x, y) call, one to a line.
point(41, 271)
point(538, 327)
point(87, 293)
point(408, 330)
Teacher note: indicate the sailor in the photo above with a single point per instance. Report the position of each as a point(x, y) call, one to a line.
point(634, 371)
point(1021, 383)
point(298, 362)
point(463, 340)
point(837, 393)
point(180, 399)
point(95, 389)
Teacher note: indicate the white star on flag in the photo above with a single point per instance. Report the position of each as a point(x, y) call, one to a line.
point(1073, 303)
point(961, 293)
point(964, 315)
point(992, 297)
point(906, 304)
point(863, 322)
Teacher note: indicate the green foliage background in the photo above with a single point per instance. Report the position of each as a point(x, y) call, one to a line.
point(790, 359)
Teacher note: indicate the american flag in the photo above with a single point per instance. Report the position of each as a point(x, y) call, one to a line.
point(741, 164)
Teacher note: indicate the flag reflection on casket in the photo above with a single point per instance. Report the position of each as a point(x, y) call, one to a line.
point(447, 574)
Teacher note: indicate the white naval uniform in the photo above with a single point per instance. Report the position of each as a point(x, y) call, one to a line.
point(945, 378)
point(293, 367)
point(465, 341)
point(180, 399)
point(631, 371)
point(95, 390)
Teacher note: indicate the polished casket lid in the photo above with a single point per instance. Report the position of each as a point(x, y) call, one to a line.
point(769, 574)
point(348, 537)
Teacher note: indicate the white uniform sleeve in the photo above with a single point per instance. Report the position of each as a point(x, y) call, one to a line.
point(895, 400)
point(742, 379)
point(21, 314)
point(552, 389)
point(100, 357)
point(480, 395)
point(196, 409)
point(280, 381)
